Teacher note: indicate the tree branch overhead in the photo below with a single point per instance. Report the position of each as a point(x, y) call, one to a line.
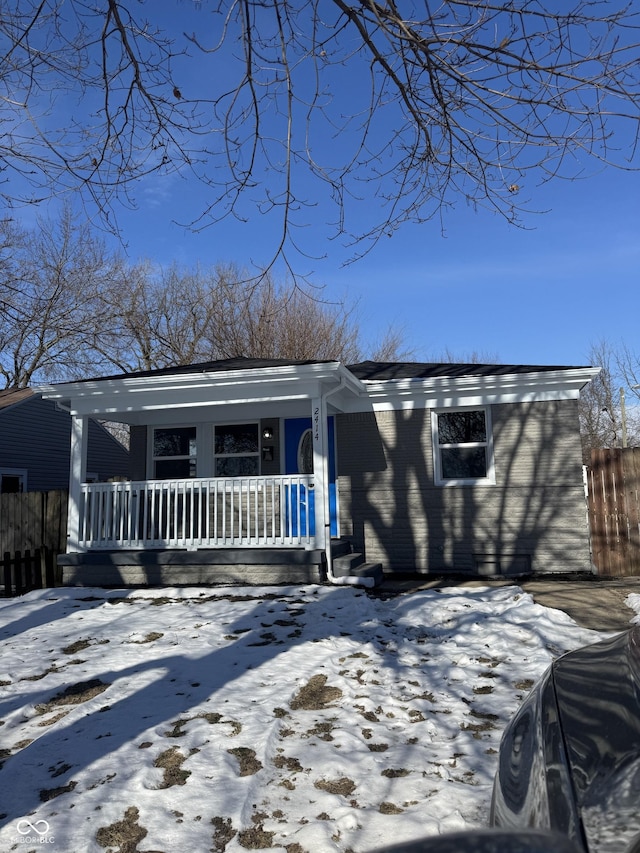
point(395, 111)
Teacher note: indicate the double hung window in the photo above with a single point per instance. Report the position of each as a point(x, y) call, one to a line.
point(463, 447)
point(174, 453)
point(236, 450)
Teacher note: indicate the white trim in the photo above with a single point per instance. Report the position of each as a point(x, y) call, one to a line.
point(478, 391)
point(128, 395)
point(439, 480)
point(197, 395)
point(319, 433)
point(77, 475)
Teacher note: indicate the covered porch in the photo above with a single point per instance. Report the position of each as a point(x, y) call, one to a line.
point(233, 466)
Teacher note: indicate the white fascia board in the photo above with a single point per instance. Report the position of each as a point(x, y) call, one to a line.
point(450, 391)
point(267, 385)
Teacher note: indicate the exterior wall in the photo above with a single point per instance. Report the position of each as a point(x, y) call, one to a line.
point(36, 436)
point(532, 519)
point(106, 457)
point(138, 452)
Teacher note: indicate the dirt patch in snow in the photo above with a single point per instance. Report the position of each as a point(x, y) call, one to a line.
point(249, 764)
point(73, 695)
point(256, 838)
point(223, 833)
point(344, 787)
point(151, 637)
point(315, 695)
point(47, 794)
point(125, 834)
point(171, 761)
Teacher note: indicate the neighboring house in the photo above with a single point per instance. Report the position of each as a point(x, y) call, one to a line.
point(274, 470)
point(35, 443)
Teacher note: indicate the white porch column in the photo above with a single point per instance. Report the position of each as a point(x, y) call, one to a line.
point(77, 476)
point(321, 471)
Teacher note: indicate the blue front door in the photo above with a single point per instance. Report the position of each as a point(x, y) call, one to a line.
point(298, 459)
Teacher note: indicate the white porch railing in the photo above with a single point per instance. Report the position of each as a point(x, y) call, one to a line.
point(248, 512)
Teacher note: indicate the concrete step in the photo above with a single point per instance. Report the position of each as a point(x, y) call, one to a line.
point(345, 564)
point(353, 565)
point(340, 547)
point(369, 570)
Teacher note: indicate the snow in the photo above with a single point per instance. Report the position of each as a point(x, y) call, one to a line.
point(299, 718)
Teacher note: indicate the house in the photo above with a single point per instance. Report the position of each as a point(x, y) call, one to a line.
point(35, 442)
point(264, 470)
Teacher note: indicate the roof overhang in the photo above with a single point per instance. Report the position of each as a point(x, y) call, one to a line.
point(473, 390)
point(288, 389)
point(128, 398)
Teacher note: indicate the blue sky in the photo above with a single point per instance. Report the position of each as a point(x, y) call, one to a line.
point(471, 283)
point(466, 283)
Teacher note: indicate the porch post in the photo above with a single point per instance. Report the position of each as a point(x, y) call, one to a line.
point(77, 476)
point(321, 471)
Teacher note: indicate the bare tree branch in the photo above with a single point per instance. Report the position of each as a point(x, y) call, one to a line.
point(600, 404)
point(396, 112)
point(51, 280)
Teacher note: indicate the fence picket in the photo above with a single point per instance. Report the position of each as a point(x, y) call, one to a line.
point(6, 573)
point(614, 510)
point(33, 530)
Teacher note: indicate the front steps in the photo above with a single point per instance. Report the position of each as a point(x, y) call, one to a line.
point(349, 563)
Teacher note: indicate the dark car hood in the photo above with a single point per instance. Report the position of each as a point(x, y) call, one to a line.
point(598, 697)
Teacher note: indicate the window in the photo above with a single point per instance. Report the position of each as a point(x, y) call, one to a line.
point(236, 450)
point(305, 453)
point(462, 446)
point(12, 481)
point(174, 453)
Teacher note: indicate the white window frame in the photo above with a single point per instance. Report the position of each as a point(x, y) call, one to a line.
point(188, 456)
point(439, 480)
point(217, 456)
point(20, 473)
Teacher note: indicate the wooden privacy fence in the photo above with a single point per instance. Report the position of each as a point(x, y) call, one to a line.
point(613, 496)
point(33, 531)
point(23, 572)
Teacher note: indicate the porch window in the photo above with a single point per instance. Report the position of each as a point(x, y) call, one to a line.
point(174, 453)
point(236, 450)
point(463, 448)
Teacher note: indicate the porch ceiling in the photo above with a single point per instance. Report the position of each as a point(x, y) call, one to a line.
point(286, 388)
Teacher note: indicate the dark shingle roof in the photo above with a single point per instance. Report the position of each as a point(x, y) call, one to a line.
point(212, 366)
point(383, 370)
point(365, 370)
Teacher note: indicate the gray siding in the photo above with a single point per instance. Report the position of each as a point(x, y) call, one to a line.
point(138, 451)
point(534, 517)
point(106, 457)
point(36, 436)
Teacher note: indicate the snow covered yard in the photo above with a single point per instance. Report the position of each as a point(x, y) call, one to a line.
point(306, 719)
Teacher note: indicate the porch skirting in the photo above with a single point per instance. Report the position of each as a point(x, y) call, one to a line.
point(191, 568)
